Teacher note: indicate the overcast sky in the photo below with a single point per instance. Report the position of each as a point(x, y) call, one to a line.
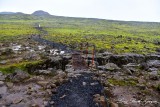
point(129, 10)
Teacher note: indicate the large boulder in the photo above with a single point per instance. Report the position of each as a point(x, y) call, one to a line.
point(3, 62)
point(153, 57)
point(158, 50)
point(126, 58)
point(109, 67)
point(2, 77)
point(6, 51)
point(131, 68)
point(49, 71)
point(154, 63)
point(154, 75)
point(55, 62)
point(18, 76)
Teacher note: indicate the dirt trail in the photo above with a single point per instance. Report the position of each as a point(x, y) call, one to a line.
point(78, 92)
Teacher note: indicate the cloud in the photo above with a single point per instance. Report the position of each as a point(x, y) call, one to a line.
point(133, 10)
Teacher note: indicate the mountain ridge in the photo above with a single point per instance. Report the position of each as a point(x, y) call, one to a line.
point(40, 14)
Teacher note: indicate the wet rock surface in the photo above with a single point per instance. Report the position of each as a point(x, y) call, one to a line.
point(24, 94)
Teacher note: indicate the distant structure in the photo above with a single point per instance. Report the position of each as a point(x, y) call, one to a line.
point(39, 25)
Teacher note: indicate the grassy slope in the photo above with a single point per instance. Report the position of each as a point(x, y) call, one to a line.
point(115, 36)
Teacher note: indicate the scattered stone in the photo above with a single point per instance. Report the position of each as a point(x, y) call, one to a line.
point(54, 91)
point(107, 91)
point(43, 83)
point(9, 84)
point(1, 83)
point(16, 47)
point(114, 104)
point(102, 101)
point(95, 83)
point(8, 104)
point(59, 81)
point(96, 95)
point(152, 57)
point(28, 92)
point(49, 92)
point(109, 67)
point(3, 62)
point(53, 85)
point(52, 102)
point(152, 69)
point(144, 66)
point(131, 68)
point(3, 90)
point(6, 51)
point(43, 72)
point(126, 58)
point(18, 100)
point(132, 65)
point(31, 56)
point(2, 78)
point(84, 83)
point(154, 63)
point(153, 75)
point(18, 76)
point(35, 105)
point(45, 103)
point(103, 75)
point(141, 86)
point(41, 47)
point(128, 71)
point(1, 74)
point(63, 96)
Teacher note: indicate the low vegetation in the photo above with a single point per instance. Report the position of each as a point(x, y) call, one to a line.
point(128, 82)
point(158, 87)
point(22, 65)
point(114, 36)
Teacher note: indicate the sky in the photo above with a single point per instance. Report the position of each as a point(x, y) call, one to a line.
point(128, 10)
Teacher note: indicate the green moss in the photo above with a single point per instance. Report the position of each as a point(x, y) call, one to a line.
point(11, 68)
point(128, 82)
point(146, 92)
point(114, 36)
point(159, 72)
point(16, 31)
point(158, 87)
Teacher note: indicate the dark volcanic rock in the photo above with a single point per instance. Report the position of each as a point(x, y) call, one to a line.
point(153, 57)
point(54, 62)
point(158, 49)
point(127, 58)
point(18, 76)
point(75, 94)
point(154, 63)
point(109, 67)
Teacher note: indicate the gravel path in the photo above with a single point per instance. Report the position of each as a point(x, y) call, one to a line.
point(78, 92)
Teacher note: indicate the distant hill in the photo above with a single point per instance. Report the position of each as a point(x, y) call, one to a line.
point(40, 13)
point(8, 13)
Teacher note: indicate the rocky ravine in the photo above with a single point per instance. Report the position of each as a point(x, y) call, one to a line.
point(128, 80)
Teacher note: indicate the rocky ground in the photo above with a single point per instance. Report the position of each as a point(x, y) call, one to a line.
point(128, 80)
